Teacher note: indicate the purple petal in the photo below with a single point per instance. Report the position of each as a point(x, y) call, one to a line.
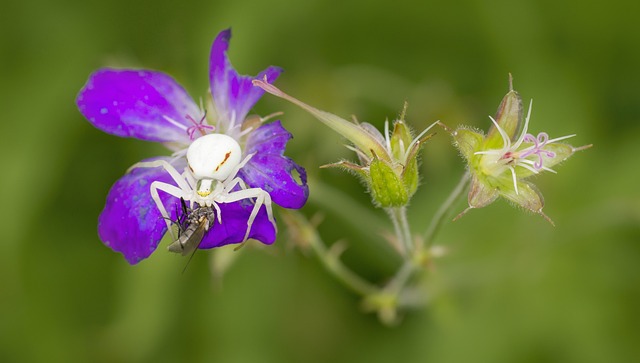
point(139, 104)
point(234, 226)
point(234, 95)
point(130, 222)
point(270, 170)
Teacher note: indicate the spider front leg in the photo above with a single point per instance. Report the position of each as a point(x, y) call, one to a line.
point(177, 177)
point(230, 184)
point(231, 179)
point(183, 190)
point(171, 190)
point(262, 198)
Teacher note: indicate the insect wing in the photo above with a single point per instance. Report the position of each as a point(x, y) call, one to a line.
point(190, 239)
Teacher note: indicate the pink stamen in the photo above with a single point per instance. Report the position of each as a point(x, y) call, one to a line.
point(198, 126)
point(538, 144)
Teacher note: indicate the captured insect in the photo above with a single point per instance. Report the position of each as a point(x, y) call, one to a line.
point(192, 225)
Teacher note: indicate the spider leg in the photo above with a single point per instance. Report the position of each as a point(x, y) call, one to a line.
point(179, 179)
point(235, 170)
point(188, 176)
point(191, 181)
point(218, 212)
point(169, 189)
point(262, 198)
point(230, 184)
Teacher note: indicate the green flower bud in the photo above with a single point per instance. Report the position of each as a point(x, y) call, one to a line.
point(389, 162)
point(400, 141)
point(386, 186)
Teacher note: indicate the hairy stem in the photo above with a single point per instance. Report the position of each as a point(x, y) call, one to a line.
point(306, 233)
point(398, 217)
point(401, 277)
point(336, 201)
point(330, 258)
point(444, 210)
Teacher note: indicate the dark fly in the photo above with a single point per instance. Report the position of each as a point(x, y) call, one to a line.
point(192, 225)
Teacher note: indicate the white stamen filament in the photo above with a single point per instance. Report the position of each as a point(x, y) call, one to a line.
point(560, 138)
point(174, 122)
point(525, 128)
point(417, 139)
point(515, 180)
point(505, 138)
point(386, 136)
point(232, 120)
point(361, 155)
point(528, 167)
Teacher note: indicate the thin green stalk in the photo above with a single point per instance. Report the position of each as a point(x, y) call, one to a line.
point(444, 210)
point(340, 203)
point(401, 277)
point(403, 232)
point(330, 257)
point(398, 217)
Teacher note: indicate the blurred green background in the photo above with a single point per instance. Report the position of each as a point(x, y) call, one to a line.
point(512, 289)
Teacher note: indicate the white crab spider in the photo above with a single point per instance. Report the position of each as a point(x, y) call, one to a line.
point(213, 163)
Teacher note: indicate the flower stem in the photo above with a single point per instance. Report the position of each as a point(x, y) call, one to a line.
point(330, 258)
point(444, 210)
point(336, 201)
point(398, 217)
point(401, 277)
point(307, 233)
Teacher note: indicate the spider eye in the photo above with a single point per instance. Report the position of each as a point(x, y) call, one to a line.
point(213, 156)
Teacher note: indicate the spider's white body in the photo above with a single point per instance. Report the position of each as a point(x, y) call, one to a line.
point(210, 178)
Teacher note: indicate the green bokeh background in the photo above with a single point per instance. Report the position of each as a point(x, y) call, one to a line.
point(512, 289)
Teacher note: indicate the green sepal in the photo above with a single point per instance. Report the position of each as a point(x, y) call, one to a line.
point(481, 193)
point(400, 140)
point(348, 166)
point(387, 188)
point(528, 197)
point(467, 141)
point(410, 176)
point(509, 116)
point(410, 173)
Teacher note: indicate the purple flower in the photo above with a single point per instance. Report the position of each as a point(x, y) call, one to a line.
point(150, 105)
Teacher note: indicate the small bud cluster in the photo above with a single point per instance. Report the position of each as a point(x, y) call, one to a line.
point(388, 163)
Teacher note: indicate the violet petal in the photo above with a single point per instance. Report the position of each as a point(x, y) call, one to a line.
point(130, 222)
point(233, 95)
point(234, 226)
point(270, 170)
point(138, 103)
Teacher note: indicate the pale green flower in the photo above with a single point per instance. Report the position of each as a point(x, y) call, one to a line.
point(500, 161)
